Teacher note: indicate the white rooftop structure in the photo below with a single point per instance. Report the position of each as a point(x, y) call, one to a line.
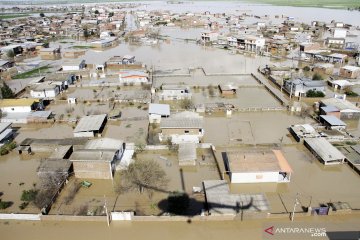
point(89, 124)
point(326, 152)
point(160, 109)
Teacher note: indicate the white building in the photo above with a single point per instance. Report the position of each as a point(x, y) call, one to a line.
point(45, 90)
point(340, 33)
point(75, 65)
point(133, 77)
point(158, 111)
point(209, 36)
point(257, 166)
point(24, 105)
point(174, 92)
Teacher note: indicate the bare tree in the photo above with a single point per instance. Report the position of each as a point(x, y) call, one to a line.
point(143, 176)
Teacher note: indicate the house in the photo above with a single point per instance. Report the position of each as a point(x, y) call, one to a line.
point(5, 65)
point(340, 84)
point(308, 46)
point(338, 43)
point(330, 111)
point(250, 166)
point(250, 43)
point(158, 111)
point(103, 43)
point(332, 122)
point(340, 33)
point(324, 68)
point(299, 87)
point(133, 77)
point(209, 36)
point(349, 72)
point(227, 89)
point(15, 48)
point(74, 65)
point(348, 111)
point(90, 126)
point(6, 133)
point(49, 53)
point(302, 131)
point(182, 127)
point(334, 58)
point(324, 151)
point(54, 167)
point(46, 90)
point(174, 92)
point(18, 105)
point(98, 158)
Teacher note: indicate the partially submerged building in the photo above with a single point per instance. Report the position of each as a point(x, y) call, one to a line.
point(348, 111)
point(174, 92)
point(90, 126)
point(6, 133)
point(257, 166)
point(182, 127)
point(324, 151)
point(332, 122)
point(98, 158)
point(158, 111)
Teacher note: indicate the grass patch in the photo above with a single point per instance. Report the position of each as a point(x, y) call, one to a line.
point(32, 73)
point(9, 16)
point(83, 47)
point(8, 147)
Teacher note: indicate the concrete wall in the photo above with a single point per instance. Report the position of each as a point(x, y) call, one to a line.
point(28, 217)
point(83, 134)
point(254, 177)
point(92, 169)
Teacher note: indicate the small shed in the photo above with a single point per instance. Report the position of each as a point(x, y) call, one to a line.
point(227, 89)
point(89, 126)
point(158, 111)
point(332, 122)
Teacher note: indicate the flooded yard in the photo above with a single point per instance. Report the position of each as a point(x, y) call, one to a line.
point(251, 128)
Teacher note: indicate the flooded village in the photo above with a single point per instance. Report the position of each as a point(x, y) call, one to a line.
point(132, 114)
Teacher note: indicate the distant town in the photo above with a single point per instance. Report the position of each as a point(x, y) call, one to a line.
point(140, 112)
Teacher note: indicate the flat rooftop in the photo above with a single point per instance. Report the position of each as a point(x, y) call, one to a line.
point(259, 160)
point(90, 123)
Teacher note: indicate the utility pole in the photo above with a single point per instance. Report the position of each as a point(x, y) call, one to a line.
point(107, 214)
point(296, 203)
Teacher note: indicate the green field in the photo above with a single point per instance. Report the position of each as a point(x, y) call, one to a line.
point(33, 73)
point(9, 16)
point(339, 4)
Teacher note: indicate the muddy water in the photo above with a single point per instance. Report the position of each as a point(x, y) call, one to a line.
point(251, 128)
point(18, 173)
point(251, 229)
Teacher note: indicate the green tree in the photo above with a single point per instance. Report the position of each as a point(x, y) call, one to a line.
point(10, 54)
point(313, 93)
point(6, 91)
point(42, 14)
point(96, 12)
point(317, 76)
point(86, 33)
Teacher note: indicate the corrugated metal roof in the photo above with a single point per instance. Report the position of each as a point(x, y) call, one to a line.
point(160, 109)
point(340, 104)
point(324, 149)
point(90, 123)
point(332, 120)
point(181, 123)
